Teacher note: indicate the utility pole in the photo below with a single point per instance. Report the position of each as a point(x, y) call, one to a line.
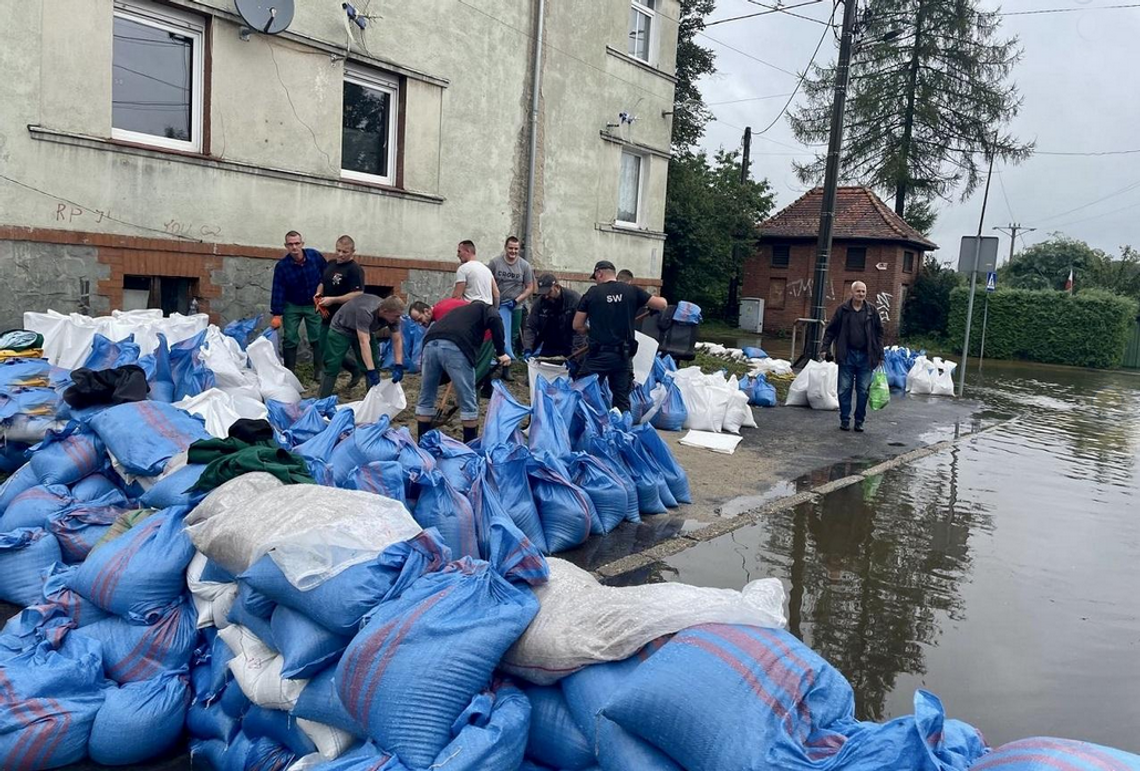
point(737, 258)
point(974, 279)
point(831, 181)
point(1012, 230)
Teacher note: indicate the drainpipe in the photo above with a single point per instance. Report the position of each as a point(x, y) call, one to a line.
point(536, 88)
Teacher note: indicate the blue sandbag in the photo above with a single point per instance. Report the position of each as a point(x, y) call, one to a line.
point(511, 553)
point(607, 454)
point(29, 402)
point(233, 701)
point(106, 354)
point(210, 721)
point(214, 573)
point(422, 657)
point(56, 591)
point(50, 702)
point(554, 737)
point(22, 480)
point(159, 376)
point(455, 460)
point(279, 726)
point(687, 313)
point(260, 754)
point(1046, 754)
point(140, 721)
point(760, 392)
point(755, 353)
point(173, 489)
point(34, 506)
point(210, 673)
point(26, 554)
point(675, 475)
point(506, 471)
point(12, 456)
point(191, 375)
point(673, 412)
point(493, 733)
point(306, 646)
point(548, 431)
point(133, 652)
point(385, 477)
point(566, 401)
point(640, 401)
point(24, 373)
point(241, 329)
point(443, 507)
point(209, 755)
point(504, 416)
point(144, 436)
point(567, 513)
point(260, 626)
point(368, 758)
point(321, 703)
point(640, 473)
point(770, 701)
point(63, 458)
point(141, 571)
point(318, 451)
point(81, 525)
point(34, 625)
point(365, 445)
point(298, 422)
point(92, 486)
point(606, 492)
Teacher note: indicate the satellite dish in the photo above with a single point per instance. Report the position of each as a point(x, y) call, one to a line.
point(268, 16)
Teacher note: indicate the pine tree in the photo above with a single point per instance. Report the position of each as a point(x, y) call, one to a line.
point(693, 61)
point(930, 99)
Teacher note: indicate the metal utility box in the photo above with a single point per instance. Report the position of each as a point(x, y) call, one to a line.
point(752, 314)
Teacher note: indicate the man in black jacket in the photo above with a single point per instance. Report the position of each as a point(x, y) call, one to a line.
point(451, 345)
point(550, 324)
point(857, 333)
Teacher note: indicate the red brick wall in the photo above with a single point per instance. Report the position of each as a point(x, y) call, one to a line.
point(792, 286)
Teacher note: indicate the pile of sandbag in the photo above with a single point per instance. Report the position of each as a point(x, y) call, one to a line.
point(70, 339)
point(817, 386)
point(757, 358)
point(897, 361)
point(931, 376)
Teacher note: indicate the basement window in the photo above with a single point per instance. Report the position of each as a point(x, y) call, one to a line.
point(172, 294)
point(157, 76)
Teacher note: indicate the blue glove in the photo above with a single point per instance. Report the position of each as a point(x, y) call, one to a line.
point(397, 373)
point(528, 355)
point(373, 377)
point(508, 304)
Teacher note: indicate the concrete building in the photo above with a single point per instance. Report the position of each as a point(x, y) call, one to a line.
point(871, 244)
point(151, 152)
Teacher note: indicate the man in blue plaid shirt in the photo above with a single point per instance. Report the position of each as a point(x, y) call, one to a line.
point(295, 280)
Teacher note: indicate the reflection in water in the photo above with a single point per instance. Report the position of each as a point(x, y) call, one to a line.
point(1000, 573)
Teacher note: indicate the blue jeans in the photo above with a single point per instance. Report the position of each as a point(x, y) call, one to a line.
point(855, 371)
point(444, 356)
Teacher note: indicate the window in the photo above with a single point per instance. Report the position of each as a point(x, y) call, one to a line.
point(781, 255)
point(642, 15)
point(777, 291)
point(157, 76)
point(173, 294)
point(368, 140)
point(908, 262)
point(629, 188)
point(856, 257)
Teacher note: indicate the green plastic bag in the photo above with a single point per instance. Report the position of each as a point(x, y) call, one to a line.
point(880, 395)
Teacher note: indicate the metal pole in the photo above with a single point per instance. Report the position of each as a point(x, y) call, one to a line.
point(974, 280)
point(733, 306)
point(532, 159)
point(831, 181)
point(985, 323)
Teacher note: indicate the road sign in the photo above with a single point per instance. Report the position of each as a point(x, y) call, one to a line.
point(987, 258)
point(991, 281)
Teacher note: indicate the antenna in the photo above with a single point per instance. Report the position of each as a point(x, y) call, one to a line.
point(270, 17)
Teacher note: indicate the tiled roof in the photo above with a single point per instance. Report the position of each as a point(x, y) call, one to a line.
point(859, 213)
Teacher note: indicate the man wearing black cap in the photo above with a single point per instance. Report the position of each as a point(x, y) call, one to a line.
point(611, 307)
point(551, 320)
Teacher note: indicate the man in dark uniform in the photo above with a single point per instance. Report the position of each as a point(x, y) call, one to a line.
point(550, 325)
point(355, 327)
point(611, 307)
point(343, 280)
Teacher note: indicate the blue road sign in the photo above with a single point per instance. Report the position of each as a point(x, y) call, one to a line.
point(991, 281)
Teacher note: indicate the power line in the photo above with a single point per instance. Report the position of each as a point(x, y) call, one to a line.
point(1001, 181)
point(1067, 10)
point(804, 74)
point(749, 99)
point(1089, 154)
point(771, 9)
point(1113, 194)
point(742, 53)
point(1098, 216)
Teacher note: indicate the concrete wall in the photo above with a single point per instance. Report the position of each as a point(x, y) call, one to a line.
point(41, 276)
point(272, 161)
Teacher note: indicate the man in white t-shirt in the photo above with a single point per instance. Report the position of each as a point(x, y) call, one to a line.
point(474, 281)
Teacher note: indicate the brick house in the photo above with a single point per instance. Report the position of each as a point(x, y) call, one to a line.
point(871, 244)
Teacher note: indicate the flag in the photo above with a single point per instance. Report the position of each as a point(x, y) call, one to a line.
point(1069, 283)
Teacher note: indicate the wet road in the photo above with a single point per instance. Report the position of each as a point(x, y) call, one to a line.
point(1004, 574)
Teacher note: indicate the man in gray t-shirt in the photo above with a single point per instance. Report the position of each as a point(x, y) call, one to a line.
point(515, 279)
point(354, 328)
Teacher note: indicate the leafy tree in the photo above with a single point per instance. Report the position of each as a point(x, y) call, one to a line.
point(690, 115)
point(929, 100)
point(1119, 276)
point(1046, 265)
point(709, 211)
point(927, 307)
point(921, 215)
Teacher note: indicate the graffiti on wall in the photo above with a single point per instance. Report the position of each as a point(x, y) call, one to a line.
point(883, 305)
point(802, 287)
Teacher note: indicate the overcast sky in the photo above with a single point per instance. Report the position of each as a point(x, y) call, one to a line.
point(1080, 79)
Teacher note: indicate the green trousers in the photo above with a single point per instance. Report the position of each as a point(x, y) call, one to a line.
point(350, 365)
point(338, 345)
point(291, 321)
point(483, 360)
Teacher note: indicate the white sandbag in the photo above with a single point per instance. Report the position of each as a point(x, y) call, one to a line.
point(274, 381)
point(29, 429)
point(706, 398)
point(738, 413)
point(943, 376)
point(550, 372)
point(388, 398)
point(313, 532)
point(643, 359)
point(221, 410)
point(769, 367)
point(580, 622)
point(67, 339)
point(797, 391)
point(257, 670)
point(920, 378)
point(331, 742)
point(224, 357)
point(707, 440)
point(209, 597)
point(823, 385)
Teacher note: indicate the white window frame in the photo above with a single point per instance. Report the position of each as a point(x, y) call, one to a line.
point(376, 80)
point(643, 7)
point(180, 23)
point(642, 174)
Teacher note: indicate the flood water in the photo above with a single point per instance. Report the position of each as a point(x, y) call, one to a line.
point(1003, 575)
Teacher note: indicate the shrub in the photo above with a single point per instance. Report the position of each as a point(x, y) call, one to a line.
point(927, 307)
point(1088, 329)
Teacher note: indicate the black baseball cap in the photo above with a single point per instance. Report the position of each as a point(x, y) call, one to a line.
point(545, 282)
point(604, 265)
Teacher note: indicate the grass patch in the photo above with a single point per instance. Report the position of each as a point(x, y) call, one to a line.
point(710, 364)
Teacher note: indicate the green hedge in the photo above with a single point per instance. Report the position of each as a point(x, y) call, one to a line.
point(1088, 329)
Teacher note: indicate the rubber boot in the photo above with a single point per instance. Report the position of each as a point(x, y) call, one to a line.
point(470, 434)
point(318, 363)
point(507, 374)
point(422, 427)
point(289, 358)
point(328, 385)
